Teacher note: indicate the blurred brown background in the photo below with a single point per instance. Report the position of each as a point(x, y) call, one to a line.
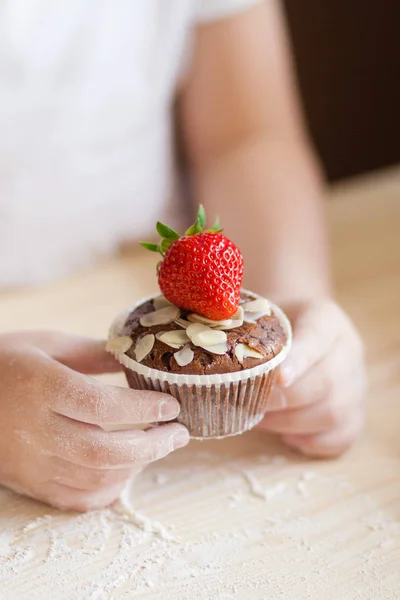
point(348, 61)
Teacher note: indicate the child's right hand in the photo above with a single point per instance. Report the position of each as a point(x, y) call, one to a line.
point(52, 445)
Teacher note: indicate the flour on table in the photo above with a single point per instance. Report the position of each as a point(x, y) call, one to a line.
point(205, 529)
point(124, 507)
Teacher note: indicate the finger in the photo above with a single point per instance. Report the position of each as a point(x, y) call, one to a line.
point(331, 443)
point(85, 355)
point(89, 401)
point(315, 418)
point(305, 420)
point(314, 332)
point(69, 498)
point(324, 378)
point(90, 446)
point(88, 356)
point(86, 478)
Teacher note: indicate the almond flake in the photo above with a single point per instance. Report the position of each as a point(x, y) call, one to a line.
point(161, 333)
point(204, 336)
point(253, 317)
point(243, 351)
point(259, 305)
point(144, 346)
point(195, 328)
point(232, 325)
point(119, 345)
point(184, 356)
point(161, 302)
point(217, 348)
point(194, 318)
point(182, 323)
point(209, 337)
point(236, 321)
point(175, 338)
point(163, 316)
point(238, 316)
point(228, 324)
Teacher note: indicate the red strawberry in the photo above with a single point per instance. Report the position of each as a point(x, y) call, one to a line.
point(201, 271)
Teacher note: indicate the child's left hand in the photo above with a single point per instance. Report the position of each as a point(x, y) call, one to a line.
point(318, 402)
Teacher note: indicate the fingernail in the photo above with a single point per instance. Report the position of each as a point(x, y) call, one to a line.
point(180, 438)
point(168, 409)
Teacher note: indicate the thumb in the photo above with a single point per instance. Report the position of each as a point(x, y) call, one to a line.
point(85, 355)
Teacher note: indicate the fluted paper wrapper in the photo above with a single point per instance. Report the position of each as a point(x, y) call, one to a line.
point(212, 406)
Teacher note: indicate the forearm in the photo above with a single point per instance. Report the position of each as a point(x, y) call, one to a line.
point(269, 195)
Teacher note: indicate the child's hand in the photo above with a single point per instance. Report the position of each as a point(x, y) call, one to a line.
point(317, 404)
point(52, 445)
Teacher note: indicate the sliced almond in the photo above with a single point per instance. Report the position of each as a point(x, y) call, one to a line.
point(202, 335)
point(238, 316)
point(161, 302)
point(163, 316)
point(253, 317)
point(231, 325)
point(184, 356)
point(194, 318)
point(144, 346)
point(182, 323)
point(176, 338)
point(243, 351)
point(260, 305)
point(227, 324)
point(194, 329)
point(161, 333)
point(217, 348)
point(236, 321)
point(119, 345)
point(209, 337)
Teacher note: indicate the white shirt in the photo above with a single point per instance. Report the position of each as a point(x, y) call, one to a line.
point(86, 153)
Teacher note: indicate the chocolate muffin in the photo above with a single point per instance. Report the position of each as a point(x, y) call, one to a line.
point(222, 386)
point(205, 341)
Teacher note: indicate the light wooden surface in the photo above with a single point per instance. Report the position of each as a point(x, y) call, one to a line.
point(246, 518)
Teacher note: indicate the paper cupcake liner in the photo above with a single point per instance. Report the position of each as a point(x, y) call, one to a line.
point(212, 406)
point(215, 411)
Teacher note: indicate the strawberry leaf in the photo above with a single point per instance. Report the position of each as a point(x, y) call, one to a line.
point(216, 228)
point(166, 232)
point(151, 247)
point(194, 229)
point(201, 216)
point(165, 244)
point(217, 225)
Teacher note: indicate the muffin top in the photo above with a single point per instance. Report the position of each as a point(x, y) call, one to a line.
point(190, 344)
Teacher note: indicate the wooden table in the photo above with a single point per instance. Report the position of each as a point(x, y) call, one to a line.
point(242, 518)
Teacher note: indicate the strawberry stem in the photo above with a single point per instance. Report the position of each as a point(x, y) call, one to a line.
point(169, 236)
